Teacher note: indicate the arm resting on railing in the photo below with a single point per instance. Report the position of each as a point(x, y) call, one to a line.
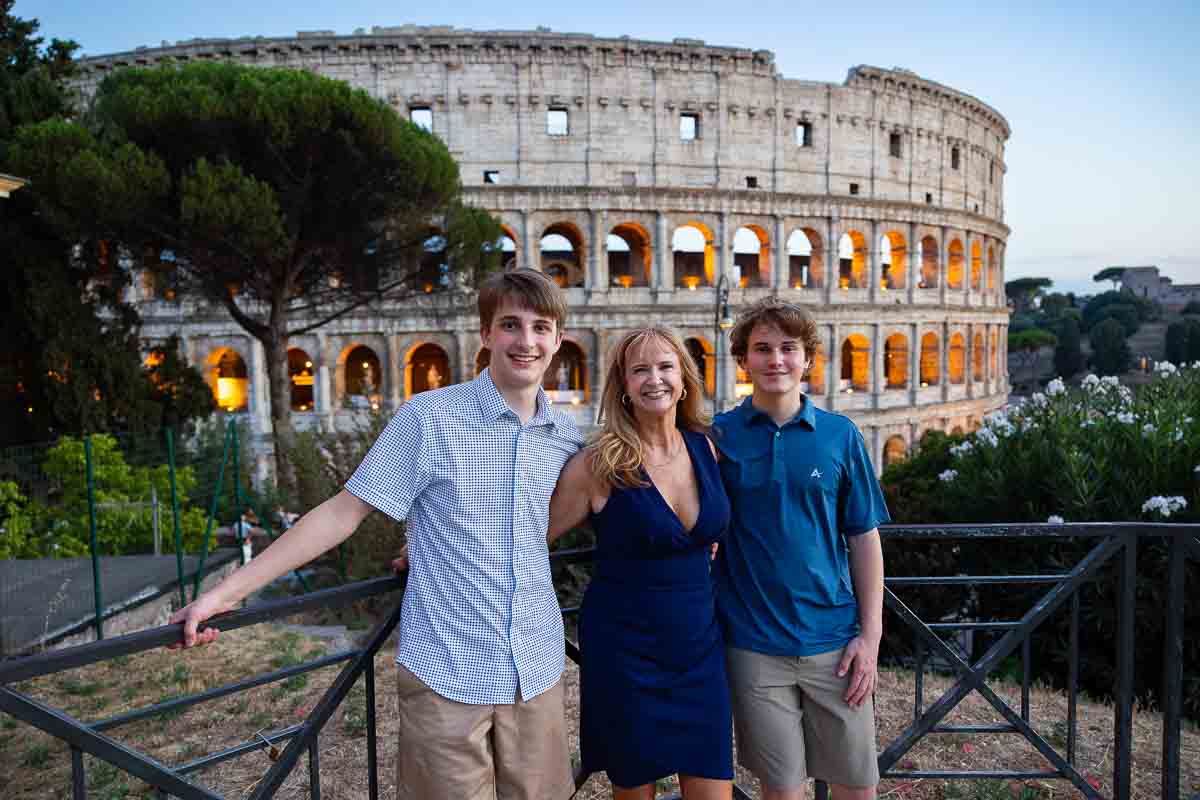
point(321, 529)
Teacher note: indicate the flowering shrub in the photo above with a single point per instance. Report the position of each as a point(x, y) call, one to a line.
point(1097, 453)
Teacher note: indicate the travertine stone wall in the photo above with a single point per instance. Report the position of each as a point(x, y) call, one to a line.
point(886, 154)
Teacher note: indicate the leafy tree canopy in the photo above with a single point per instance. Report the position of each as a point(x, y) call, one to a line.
point(1109, 274)
point(1031, 339)
point(1023, 291)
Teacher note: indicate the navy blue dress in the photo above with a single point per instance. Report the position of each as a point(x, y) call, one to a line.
point(654, 697)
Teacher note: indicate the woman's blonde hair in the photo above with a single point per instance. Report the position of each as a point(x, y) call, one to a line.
point(615, 455)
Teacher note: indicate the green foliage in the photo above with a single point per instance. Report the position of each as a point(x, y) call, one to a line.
point(1099, 453)
point(1110, 350)
point(1031, 339)
point(1109, 274)
point(1183, 341)
point(1023, 291)
point(1099, 308)
point(1193, 307)
point(1068, 354)
point(124, 518)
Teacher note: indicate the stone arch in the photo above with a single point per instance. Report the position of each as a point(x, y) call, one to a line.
point(228, 379)
point(929, 263)
point(954, 264)
point(426, 366)
point(701, 351)
point(360, 377)
point(895, 361)
point(562, 253)
point(852, 260)
point(931, 360)
point(856, 363)
point(510, 249)
point(301, 380)
point(977, 357)
point(895, 449)
point(893, 267)
point(693, 255)
point(976, 266)
point(630, 255)
point(806, 259)
point(566, 380)
point(957, 359)
point(995, 353)
point(991, 269)
point(752, 256)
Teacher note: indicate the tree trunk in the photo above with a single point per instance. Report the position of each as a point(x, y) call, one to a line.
point(276, 346)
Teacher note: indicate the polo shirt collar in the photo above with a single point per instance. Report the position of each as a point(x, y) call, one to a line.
point(750, 415)
point(492, 404)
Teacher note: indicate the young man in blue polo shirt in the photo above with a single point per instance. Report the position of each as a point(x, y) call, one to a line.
point(471, 467)
point(800, 578)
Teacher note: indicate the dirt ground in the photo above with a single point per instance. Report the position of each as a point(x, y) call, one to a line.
point(37, 766)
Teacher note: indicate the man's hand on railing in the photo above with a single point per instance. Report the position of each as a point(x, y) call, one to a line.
point(861, 661)
point(400, 562)
point(193, 614)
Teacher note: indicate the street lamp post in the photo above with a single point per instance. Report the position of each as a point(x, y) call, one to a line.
point(722, 321)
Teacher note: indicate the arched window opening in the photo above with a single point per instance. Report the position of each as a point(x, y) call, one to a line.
point(229, 379)
point(363, 378)
point(929, 263)
point(856, 363)
point(692, 255)
point(816, 374)
point(893, 257)
point(991, 272)
point(566, 380)
point(894, 450)
point(806, 260)
point(976, 266)
point(629, 256)
point(752, 256)
point(427, 367)
point(852, 261)
point(977, 357)
point(895, 361)
point(954, 268)
point(561, 249)
point(702, 355)
point(930, 360)
point(301, 375)
point(957, 358)
point(995, 351)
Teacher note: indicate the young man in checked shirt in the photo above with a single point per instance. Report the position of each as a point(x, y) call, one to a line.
point(471, 468)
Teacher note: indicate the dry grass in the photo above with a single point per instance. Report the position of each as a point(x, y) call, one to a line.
point(35, 766)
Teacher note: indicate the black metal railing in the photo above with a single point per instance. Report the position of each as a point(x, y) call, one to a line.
point(1115, 544)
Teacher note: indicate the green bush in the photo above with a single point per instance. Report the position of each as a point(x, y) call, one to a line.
point(1182, 344)
point(1098, 453)
point(1068, 354)
point(1110, 350)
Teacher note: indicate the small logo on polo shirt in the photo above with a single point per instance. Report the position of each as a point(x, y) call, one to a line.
point(816, 473)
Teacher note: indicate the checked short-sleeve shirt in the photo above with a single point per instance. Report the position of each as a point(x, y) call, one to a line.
point(481, 623)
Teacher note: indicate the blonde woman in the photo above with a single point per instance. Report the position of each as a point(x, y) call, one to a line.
point(655, 701)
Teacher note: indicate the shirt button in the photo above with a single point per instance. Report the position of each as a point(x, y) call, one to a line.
point(777, 434)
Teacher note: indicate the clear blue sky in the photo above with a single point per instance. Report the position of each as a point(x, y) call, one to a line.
point(1103, 98)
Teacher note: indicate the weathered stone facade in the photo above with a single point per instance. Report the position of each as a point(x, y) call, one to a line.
point(878, 202)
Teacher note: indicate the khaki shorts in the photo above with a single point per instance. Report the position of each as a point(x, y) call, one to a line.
point(792, 723)
point(515, 751)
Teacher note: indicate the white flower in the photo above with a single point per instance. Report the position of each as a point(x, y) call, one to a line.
point(1090, 382)
point(961, 449)
point(1038, 400)
point(948, 475)
point(986, 436)
point(1147, 428)
point(1166, 506)
point(1110, 380)
point(1055, 519)
point(1056, 387)
point(1187, 420)
point(1125, 418)
point(1197, 469)
point(1178, 435)
point(1165, 368)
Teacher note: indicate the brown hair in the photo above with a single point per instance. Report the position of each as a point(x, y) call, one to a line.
point(792, 319)
point(615, 455)
point(529, 289)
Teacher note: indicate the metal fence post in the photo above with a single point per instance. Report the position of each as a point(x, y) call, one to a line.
point(1172, 691)
point(154, 521)
point(212, 513)
point(175, 517)
point(1126, 624)
point(91, 499)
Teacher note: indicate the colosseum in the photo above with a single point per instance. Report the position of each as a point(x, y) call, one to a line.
point(662, 181)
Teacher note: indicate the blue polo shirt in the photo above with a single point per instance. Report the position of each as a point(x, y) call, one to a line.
point(797, 491)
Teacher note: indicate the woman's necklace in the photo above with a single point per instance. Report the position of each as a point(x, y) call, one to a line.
point(669, 458)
